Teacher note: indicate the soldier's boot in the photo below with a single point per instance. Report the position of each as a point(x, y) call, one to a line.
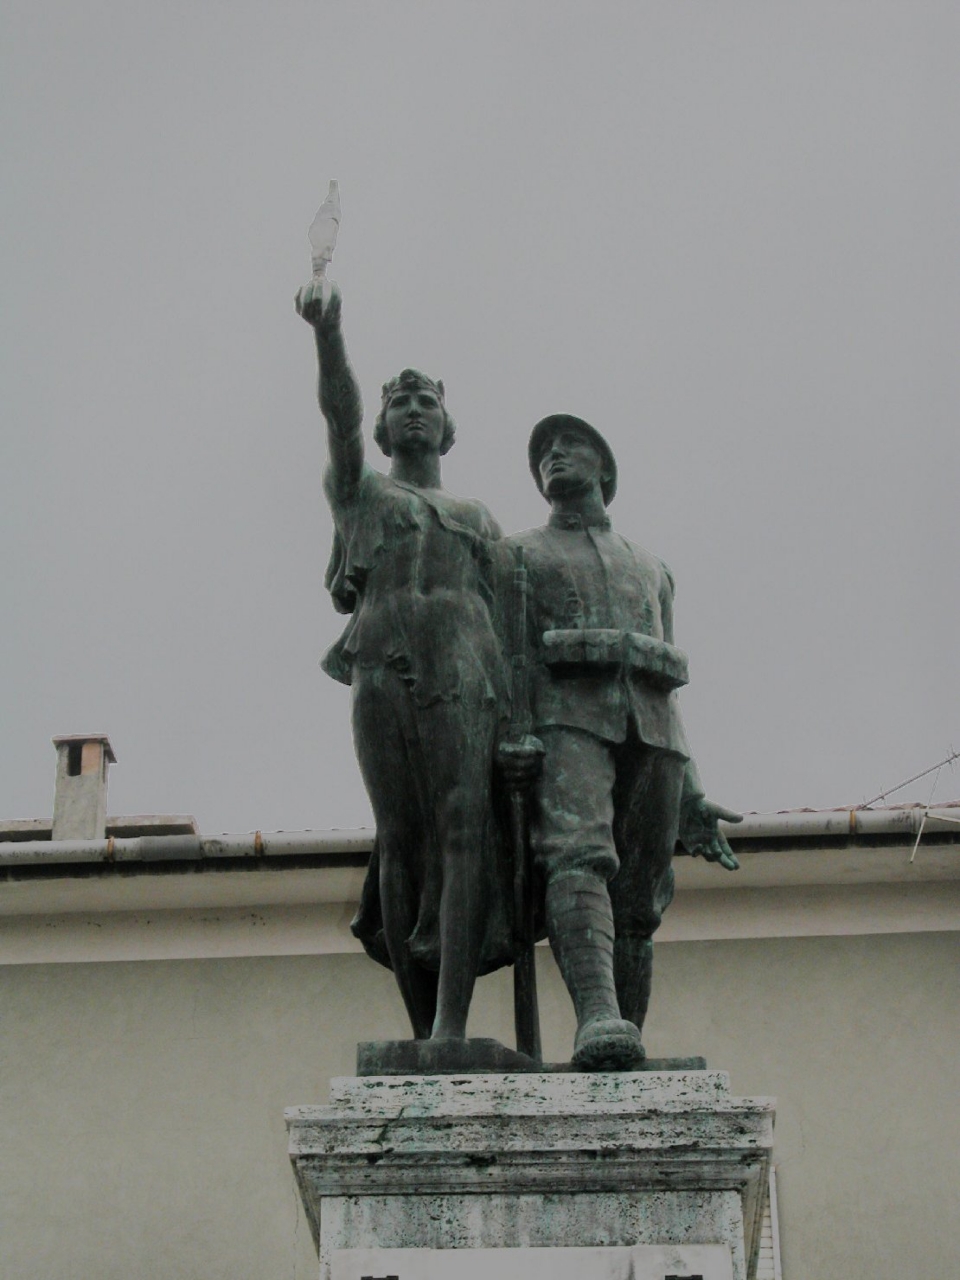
point(580, 925)
point(633, 972)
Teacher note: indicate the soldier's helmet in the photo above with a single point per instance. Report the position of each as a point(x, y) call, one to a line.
point(548, 427)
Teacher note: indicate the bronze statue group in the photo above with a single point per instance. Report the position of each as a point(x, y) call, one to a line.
point(531, 677)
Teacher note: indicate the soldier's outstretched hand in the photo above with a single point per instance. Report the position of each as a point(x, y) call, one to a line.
point(319, 303)
point(700, 832)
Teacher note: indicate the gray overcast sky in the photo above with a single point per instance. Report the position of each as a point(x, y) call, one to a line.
point(725, 233)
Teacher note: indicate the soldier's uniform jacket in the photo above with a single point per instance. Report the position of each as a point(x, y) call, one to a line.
point(600, 634)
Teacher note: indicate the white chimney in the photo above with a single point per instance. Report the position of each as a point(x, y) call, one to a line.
point(80, 799)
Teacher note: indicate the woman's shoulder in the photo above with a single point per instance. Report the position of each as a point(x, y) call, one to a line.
point(472, 513)
point(370, 488)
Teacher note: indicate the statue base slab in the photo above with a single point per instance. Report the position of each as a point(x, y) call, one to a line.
point(610, 1164)
point(474, 1056)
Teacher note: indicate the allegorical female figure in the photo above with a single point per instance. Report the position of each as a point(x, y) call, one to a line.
point(412, 566)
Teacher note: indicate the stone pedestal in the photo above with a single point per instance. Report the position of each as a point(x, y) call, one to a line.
point(628, 1164)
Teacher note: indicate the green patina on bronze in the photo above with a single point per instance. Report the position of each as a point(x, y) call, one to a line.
point(501, 726)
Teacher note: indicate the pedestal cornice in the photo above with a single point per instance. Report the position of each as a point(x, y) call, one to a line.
point(528, 1135)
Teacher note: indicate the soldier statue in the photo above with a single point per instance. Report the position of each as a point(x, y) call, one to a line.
point(613, 782)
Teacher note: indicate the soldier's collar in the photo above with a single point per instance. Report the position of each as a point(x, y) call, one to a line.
point(570, 520)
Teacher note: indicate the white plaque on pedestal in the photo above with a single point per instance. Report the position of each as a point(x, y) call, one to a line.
point(639, 1262)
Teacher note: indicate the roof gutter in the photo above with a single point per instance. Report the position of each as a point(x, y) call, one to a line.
point(188, 848)
point(832, 824)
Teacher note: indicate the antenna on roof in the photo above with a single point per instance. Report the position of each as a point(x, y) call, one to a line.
point(935, 769)
point(954, 755)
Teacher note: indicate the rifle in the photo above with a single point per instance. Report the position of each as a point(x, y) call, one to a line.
point(525, 1012)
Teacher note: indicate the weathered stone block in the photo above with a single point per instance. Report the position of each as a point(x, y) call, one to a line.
point(534, 1161)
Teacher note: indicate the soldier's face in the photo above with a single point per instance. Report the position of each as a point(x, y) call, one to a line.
point(414, 420)
point(570, 464)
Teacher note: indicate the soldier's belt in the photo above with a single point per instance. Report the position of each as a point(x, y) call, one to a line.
point(582, 650)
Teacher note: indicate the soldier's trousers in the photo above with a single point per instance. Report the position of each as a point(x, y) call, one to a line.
point(610, 809)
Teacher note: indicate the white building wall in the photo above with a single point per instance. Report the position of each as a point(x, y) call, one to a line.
point(142, 1101)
